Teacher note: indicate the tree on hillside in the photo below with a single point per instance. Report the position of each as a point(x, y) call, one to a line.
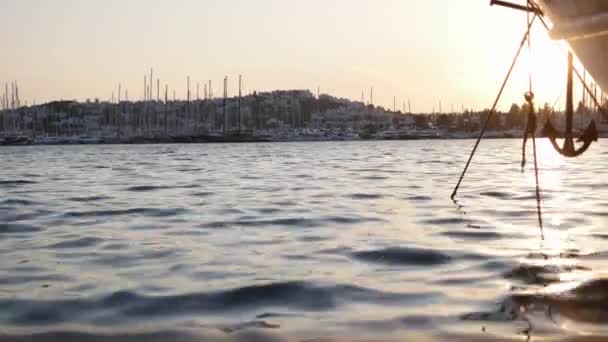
point(395, 121)
point(544, 114)
point(515, 117)
point(444, 120)
point(421, 121)
point(307, 107)
point(580, 109)
point(326, 103)
point(494, 123)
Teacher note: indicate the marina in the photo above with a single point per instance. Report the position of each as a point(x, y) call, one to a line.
point(295, 115)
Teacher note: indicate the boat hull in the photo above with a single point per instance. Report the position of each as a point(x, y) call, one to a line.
point(582, 23)
point(16, 140)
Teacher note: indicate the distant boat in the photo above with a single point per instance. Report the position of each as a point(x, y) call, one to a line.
point(18, 139)
point(584, 25)
point(88, 140)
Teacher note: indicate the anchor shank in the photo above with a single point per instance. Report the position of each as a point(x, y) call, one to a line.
point(590, 135)
point(569, 144)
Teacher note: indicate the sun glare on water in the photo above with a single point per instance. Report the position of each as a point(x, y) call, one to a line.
point(548, 157)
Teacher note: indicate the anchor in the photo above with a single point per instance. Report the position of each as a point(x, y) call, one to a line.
point(589, 135)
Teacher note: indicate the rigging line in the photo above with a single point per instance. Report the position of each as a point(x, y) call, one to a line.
point(538, 199)
point(557, 99)
point(529, 95)
point(499, 95)
point(532, 119)
point(529, 4)
point(595, 101)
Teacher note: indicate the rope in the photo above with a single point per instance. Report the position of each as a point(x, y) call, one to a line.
point(498, 96)
point(531, 121)
point(531, 129)
point(530, 126)
point(538, 199)
point(529, 4)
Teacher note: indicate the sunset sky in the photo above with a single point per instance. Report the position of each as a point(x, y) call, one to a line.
point(453, 51)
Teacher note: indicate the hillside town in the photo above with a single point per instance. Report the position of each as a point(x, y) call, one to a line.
point(282, 115)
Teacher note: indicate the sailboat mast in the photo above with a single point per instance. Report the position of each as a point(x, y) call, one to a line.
point(13, 95)
point(225, 101)
point(371, 102)
point(189, 110)
point(17, 95)
point(166, 104)
point(240, 94)
point(188, 89)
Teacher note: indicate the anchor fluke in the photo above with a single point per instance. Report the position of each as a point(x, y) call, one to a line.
point(590, 133)
point(569, 150)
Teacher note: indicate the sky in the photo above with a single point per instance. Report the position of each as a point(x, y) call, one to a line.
point(453, 52)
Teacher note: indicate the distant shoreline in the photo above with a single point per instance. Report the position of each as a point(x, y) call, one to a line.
point(244, 140)
point(276, 116)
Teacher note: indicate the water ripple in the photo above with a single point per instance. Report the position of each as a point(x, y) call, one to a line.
point(89, 198)
point(77, 243)
point(18, 228)
point(152, 212)
point(129, 305)
point(15, 183)
point(404, 256)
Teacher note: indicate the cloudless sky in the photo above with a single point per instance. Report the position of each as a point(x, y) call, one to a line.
point(453, 51)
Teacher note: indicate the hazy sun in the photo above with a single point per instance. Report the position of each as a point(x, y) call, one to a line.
point(547, 63)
